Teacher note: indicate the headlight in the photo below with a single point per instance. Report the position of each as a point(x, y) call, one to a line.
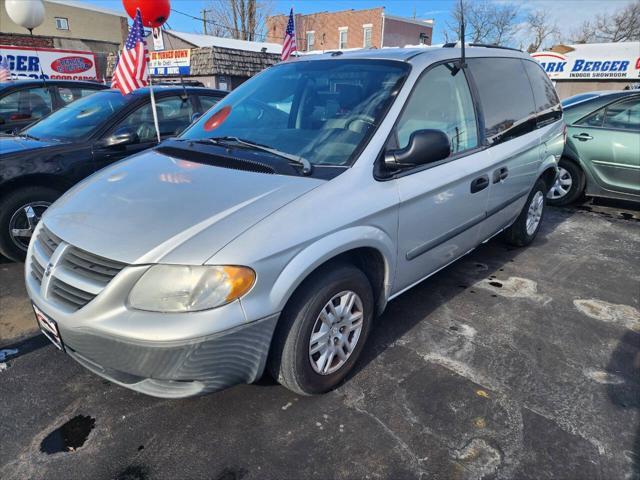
point(181, 288)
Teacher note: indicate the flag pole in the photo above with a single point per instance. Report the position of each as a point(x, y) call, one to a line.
point(153, 103)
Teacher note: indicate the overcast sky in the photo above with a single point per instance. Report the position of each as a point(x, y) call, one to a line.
point(569, 14)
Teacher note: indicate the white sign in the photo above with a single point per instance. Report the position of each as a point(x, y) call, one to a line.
point(158, 39)
point(25, 62)
point(170, 62)
point(596, 61)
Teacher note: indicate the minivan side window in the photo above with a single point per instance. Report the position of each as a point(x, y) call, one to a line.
point(545, 97)
point(506, 97)
point(440, 101)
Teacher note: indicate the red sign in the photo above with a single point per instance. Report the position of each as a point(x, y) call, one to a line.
point(71, 65)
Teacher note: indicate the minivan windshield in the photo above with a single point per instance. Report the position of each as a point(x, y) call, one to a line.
point(78, 119)
point(322, 111)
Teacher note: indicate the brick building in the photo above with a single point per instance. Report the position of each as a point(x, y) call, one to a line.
point(372, 28)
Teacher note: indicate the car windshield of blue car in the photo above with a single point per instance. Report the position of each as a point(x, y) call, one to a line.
point(79, 119)
point(323, 111)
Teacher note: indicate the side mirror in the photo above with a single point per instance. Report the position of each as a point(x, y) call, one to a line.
point(425, 146)
point(120, 138)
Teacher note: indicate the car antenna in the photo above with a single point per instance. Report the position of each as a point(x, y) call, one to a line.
point(463, 59)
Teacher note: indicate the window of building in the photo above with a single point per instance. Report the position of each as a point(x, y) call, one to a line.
point(62, 23)
point(424, 39)
point(311, 36)
point(443, 102)
point(343, 38)
point(506, 97)
point(367, 34)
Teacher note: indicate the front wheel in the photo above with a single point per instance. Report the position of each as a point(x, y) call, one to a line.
point(322, 330)
point(20, 212)
point(526, 226)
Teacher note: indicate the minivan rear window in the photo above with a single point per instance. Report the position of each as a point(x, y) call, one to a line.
point(505, 96)
point(544, 94)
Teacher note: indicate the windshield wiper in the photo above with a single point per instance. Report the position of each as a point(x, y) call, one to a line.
point(306, 164)
point(26, 135)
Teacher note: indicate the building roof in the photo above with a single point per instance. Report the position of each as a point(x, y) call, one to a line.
point(226, 61)
point(87, 6)
point(198, 40)
point(598, 49)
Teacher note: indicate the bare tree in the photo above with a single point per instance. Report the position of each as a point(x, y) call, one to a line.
point(621, 26)
point(541, 29)
point(485, 22)
point(240, 19)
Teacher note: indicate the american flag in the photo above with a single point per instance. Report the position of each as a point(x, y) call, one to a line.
point(5, 73)
point(289, 39)
point(131, 72)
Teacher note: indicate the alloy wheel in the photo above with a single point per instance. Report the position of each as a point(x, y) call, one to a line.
point(336, 332)
point(23, 223)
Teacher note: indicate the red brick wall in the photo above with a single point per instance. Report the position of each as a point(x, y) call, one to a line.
point(326, 27)
point(25, 40)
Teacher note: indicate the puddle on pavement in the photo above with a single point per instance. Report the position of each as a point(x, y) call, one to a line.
point(70, 436)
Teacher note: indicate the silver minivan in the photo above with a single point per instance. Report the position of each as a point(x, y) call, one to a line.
point(273, 231)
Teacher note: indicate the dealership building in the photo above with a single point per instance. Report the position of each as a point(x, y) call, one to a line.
point(587, 67)
point(71, 30)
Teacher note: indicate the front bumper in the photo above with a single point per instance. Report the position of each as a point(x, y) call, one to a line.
point(169, 355)
point(176, 369)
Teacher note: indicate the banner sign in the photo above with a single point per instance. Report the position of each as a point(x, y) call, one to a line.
point(170, 62)
point(25, 63)
point(593, 62)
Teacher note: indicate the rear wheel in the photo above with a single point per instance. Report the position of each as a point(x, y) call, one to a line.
point(322, 330)
point(526, 226)
point(20, 212)
point(568, 186)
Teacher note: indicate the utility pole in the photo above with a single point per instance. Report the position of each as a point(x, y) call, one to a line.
point(204, 20)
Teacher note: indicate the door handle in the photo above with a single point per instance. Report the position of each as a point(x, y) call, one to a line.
point(583, 137)
point(500, 174)
point(480, 183)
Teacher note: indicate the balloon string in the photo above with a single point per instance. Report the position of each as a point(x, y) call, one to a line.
point(35, 47)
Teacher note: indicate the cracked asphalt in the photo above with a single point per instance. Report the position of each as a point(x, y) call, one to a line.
point(511, 363)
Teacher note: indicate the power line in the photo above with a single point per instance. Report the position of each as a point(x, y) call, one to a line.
point(205, 21)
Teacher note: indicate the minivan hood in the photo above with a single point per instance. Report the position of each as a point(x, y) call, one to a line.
point(154, 208)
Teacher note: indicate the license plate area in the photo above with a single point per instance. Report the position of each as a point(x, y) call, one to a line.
point(49, 327)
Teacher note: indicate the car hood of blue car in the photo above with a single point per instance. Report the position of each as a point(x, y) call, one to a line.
point(14, 144)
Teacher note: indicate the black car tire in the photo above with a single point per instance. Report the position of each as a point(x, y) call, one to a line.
point(578, 181)
point(517, 233)
point(11, 203)
point(289, 360)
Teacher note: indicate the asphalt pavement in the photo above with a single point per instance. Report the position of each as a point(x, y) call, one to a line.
point(511, 363)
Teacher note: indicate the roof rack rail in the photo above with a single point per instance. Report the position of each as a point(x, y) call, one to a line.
point(485, 45)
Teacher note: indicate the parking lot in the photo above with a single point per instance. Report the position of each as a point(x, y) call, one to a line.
point(511, 363)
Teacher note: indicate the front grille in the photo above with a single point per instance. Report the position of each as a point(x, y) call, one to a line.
point(69, 296)
point(77, 276)
point(92, 266)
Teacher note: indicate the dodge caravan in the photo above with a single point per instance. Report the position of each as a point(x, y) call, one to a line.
point(272, 231)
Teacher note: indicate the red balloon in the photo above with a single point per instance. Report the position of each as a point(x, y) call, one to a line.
point(154, 12)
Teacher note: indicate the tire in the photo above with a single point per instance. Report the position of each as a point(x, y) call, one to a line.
point(290, 360)
point(521, 233)
point(13, 215)
point(569, 172)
